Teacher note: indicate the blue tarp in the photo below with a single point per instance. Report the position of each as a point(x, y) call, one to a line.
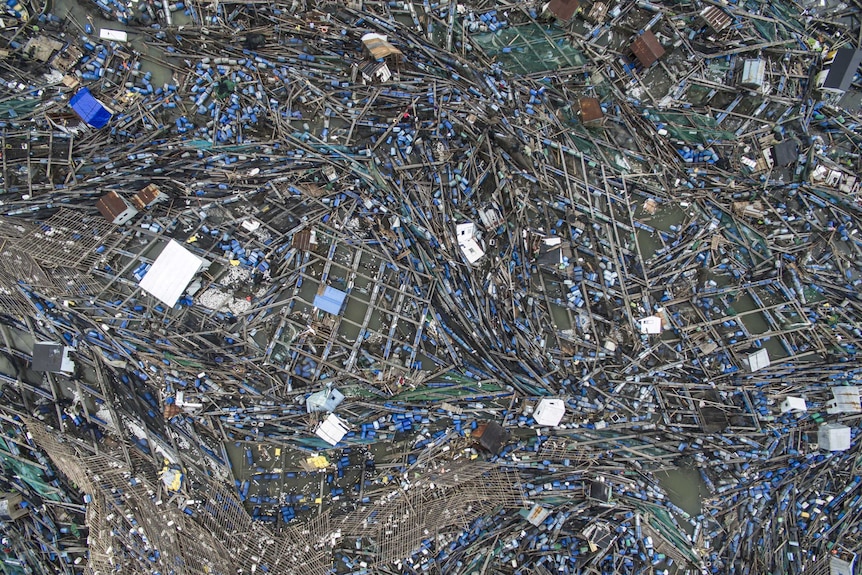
point(331, 300)
point(92, 111)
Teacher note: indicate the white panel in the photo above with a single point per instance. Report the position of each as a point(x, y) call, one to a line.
point(549, 412)
point(332, 429)
point(113, 35)
point(171, 273)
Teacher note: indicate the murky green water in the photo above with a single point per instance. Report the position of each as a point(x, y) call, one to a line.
point(79, 14)
point(685, 488)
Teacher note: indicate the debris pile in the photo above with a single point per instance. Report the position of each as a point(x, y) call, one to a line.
point(397, 287)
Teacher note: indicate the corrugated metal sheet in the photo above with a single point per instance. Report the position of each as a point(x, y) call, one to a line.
point(715, 18)
point(330, 301)
point(111, 206)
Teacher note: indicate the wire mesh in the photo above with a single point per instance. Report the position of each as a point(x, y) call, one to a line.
point(448, 496)
point(68, 239)
point(135, 530)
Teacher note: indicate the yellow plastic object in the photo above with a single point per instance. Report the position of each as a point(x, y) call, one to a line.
point(318, 461)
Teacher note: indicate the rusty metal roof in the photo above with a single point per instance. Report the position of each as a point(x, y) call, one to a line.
point(716, 18)
point(563, 9)
point(146, 196)
point(111, 205)
point(379, 47)
point(647, 49)
point(591, 109)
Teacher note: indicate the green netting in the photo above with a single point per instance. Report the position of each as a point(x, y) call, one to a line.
point(694, 120)
point(692, 128)
point(697, 95)
point(660, 520)
point(442, 392)
point(29, 474)
point(529, 49)
point(355, 390)
point(224, 88)
point(788, 16)
point(15, 108)
point(583, 145)
point(740, 234)
point(7, 567)
point(450, 385)
point(766, 29)
point(183, 362)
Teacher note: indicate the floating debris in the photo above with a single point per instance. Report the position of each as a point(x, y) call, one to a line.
point(401, 287)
